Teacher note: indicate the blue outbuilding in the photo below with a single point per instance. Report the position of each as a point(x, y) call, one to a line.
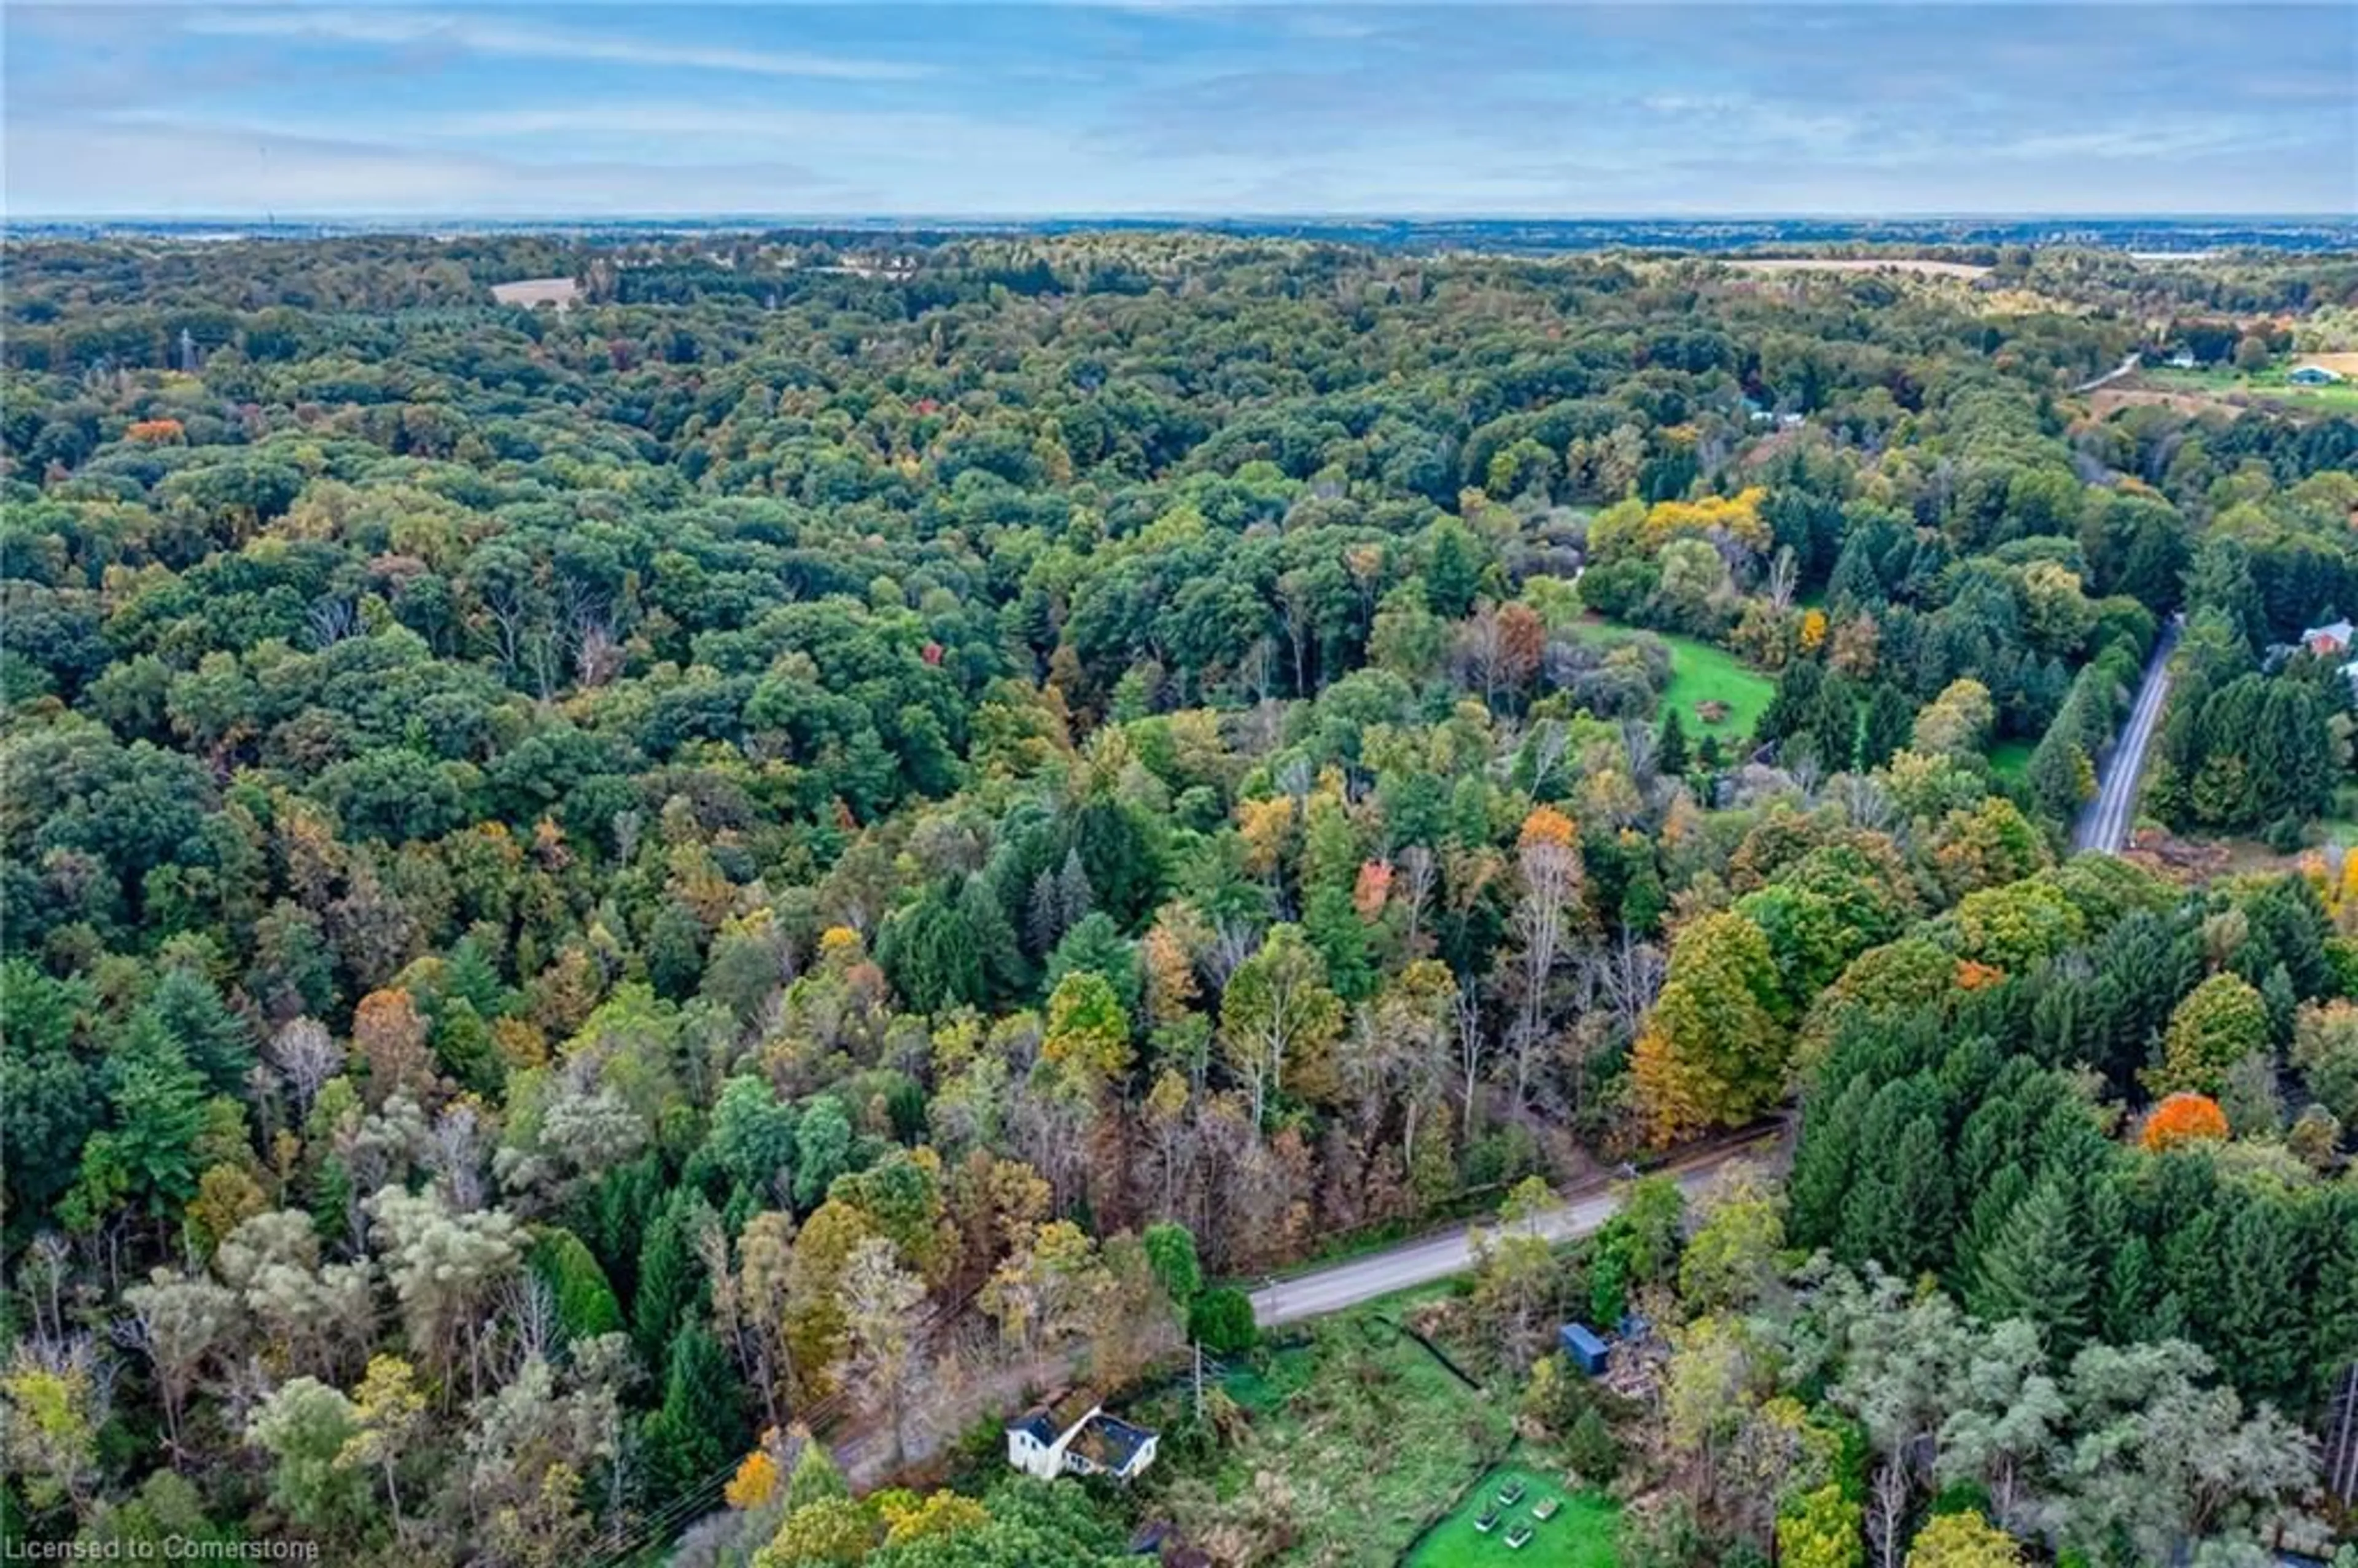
point(1584, 1345)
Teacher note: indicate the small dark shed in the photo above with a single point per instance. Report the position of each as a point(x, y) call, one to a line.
point(1584, 1345)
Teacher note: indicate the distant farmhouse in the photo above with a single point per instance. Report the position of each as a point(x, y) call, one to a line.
point(2329, 640)
point(2312, 375)
point(1071, 1435)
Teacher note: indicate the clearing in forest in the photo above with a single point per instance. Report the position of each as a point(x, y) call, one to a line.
point(531, 291)
point(1580, 1532)
point(1700, 675)
point(1343, 1446)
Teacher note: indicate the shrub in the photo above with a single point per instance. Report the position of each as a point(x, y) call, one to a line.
point(1222, 1321)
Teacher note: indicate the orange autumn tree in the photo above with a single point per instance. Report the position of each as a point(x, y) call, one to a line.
point(1545, 825)
point(2183, 1118)
point(156, 432)
point(755, 1483)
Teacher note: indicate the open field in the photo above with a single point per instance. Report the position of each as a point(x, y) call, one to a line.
point(2232, 390)
point(1581, 1534)
point(531, 291)
point(2340, 363)
point(1856, 264)
point(2107, 401)
point(1366, 1432)
point(1701, 673)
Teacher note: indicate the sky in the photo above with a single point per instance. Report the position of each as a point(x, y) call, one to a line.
point(1151, 107)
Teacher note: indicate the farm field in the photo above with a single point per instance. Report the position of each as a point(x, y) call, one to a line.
point(1582, 1534)
point(1857, 263)
point(531, 291)
point(1365, 1434)
point(2270, 384)
point(1701, 673)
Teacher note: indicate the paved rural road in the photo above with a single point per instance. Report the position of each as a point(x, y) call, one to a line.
point(2118, 371)
point(1434, 1258)
point(2104, 824)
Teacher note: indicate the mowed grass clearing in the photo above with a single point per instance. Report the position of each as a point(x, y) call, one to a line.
point(1583, 1533)
point(2222, 380)
point(1365, 1429)
point(2011, 759)
point(1699, 673)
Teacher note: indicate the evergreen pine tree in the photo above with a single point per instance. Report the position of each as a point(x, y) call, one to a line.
point(2124, 1312)
point(1890, 722)
point(2037, 1267)
point(214, 1040)
point(1670, 751)
point(700, 1429)
point(668, 1278)
point(2260, 1345)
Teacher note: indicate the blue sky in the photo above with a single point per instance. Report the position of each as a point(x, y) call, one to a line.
point(1161, 108)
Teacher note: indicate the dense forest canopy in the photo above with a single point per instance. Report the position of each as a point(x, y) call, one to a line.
point(587, 888)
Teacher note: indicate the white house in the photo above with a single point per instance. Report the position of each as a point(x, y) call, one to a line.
point(1071, 1435)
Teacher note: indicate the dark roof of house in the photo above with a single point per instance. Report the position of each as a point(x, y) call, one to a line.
point(1111, 1443)
point(1056, 1414)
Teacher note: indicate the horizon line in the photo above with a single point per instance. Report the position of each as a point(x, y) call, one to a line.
point(919, 219)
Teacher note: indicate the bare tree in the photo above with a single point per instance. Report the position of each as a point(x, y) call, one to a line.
point(1231, 944)
point(1551, 739)
point(1297, 611)
point(42, 1275)
point(1550, 880)
point(1482, 650)
point(305, 1055)
point(1419, 871)
point(1807, 774)
point(1865, 801)
point(330, 620)
point(880, 1301)
point(180, 1323)
point(1887, 1510)
point(1473, 1051)
point(1784, 574)
point(455, 1152)
point(529, 1309)
point(1628, 977)
point(1639, 743)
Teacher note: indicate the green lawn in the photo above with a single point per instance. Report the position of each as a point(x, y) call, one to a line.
point(1581, 1535)
point(2219, 380)
point(1701, 673)
point(1366, 1432)
point(2011, 759)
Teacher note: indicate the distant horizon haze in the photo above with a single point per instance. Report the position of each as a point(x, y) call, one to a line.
point(1178, 113)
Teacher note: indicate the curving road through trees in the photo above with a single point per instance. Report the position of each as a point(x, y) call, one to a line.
point(2103, 826)
point(1356, 1280)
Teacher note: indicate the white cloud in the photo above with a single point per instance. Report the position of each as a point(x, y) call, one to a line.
point(199, 170)
point(500, 35)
